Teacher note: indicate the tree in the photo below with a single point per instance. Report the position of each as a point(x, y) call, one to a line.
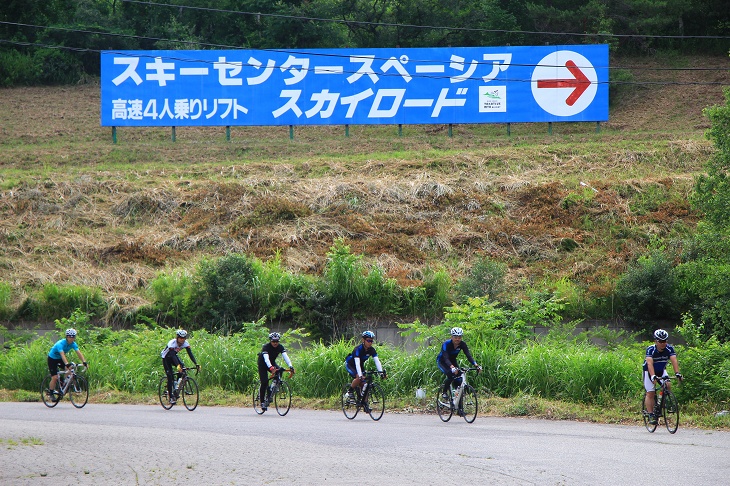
point(712, 191)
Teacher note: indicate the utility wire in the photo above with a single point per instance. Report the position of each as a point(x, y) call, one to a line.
point(385, 75)
point(299, 51)
point(414, 26)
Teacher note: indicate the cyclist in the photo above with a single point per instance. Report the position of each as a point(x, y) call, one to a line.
point(355, 361)
point(446, 360)
point(655, 364)
point(171, 361)
point(57, 356)
point(267, 364)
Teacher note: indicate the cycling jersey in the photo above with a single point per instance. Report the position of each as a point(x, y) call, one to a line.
point(174, 347)
point(62, 346)
point(269, 353)
point(449, 352)
point(355, 361)
point(660, 358)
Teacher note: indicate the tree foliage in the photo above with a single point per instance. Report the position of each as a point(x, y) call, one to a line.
point(87, 26)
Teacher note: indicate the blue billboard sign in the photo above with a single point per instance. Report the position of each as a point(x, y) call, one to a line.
point(355, 86)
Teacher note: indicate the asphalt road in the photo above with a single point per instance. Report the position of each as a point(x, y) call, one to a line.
point(137, 444)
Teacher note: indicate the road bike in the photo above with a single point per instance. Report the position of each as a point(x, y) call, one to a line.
point(666, 407)
point(185, 387)
point(371, 402)
point(69, 382)
point(461, 400)
point(279, 392)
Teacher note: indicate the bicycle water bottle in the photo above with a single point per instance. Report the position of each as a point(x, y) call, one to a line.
point(364, 387)
point(179, 382)
point(457, 393)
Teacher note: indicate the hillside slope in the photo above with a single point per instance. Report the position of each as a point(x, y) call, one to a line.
point(76, 208)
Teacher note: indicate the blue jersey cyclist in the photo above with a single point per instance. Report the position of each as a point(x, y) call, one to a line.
point(355, 362)
point(57, 356)
point(171, 361)
point(267, 364)
point(446, 359)
point(655, 364)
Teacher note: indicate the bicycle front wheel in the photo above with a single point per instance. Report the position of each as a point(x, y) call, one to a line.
point(376, 401)
point(256, 399)
point(469, 404)
point(282, 399)
point(162, 393)
point(190, 393)
point(443, 405)
point(651, 427)
point(47, 396)
point(349, 403)
point(78, 391)
point(671, 412)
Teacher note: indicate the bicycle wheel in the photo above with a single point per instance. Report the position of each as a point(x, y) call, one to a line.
point(190, 393)
point(443, 405)
point(162, 393)
point(349, 403)
point(376, 401)
point(282, 399)
point(78, 391)
point(671, 412)
point(645, 414)
point(469, 404)
point(48, 399)
point(256, 400)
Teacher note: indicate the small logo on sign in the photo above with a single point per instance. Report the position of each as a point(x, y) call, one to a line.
point(492, 99)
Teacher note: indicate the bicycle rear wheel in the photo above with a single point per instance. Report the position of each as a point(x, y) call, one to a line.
point(282, 399)
point(645, 414)
point(162, 393)
point(376, 401)
point(78, 391)
point(469, 404)
point(256, 400)
point(443, 405)
point(47, 396)
point(349, 403)
point(671, 412)
point(190, 393)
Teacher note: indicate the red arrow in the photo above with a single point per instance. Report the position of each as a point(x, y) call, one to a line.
point(580, 83)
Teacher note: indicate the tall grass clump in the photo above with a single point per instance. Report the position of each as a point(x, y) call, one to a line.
point(6, 296)
point(56, 301)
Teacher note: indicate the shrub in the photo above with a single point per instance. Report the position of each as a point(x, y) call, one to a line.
point(647, 290)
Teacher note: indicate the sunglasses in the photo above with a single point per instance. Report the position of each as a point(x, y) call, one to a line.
point(368, 340)
point(275, 342)
point(661, 340)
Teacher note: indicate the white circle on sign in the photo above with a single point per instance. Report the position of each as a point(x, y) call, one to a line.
point(564, 83)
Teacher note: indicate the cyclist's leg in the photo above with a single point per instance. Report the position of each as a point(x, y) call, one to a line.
point(355, 384)
point(264, 379)
point(448, 378)
point(650, 392)
point(54, 365)
point(167, 365)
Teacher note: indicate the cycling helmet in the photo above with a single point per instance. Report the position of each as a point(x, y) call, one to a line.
point(661, 335)
point(70, 332)
point(457, 331)
point(368, 334)
point(182, 333)
point(274, 336)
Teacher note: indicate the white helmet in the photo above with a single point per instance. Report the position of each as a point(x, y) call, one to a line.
point(661, 335)
point(70, 332)
point(457, 331)
point(182, 333)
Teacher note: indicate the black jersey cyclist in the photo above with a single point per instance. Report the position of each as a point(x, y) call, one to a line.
point(655, 364)
point(446, 359)
point(171, 361)
point(355, 361)
point(267, 364)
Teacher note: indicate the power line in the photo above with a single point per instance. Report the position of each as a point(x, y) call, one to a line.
point(414, 26)
point(426, 76)
point(299, 51)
